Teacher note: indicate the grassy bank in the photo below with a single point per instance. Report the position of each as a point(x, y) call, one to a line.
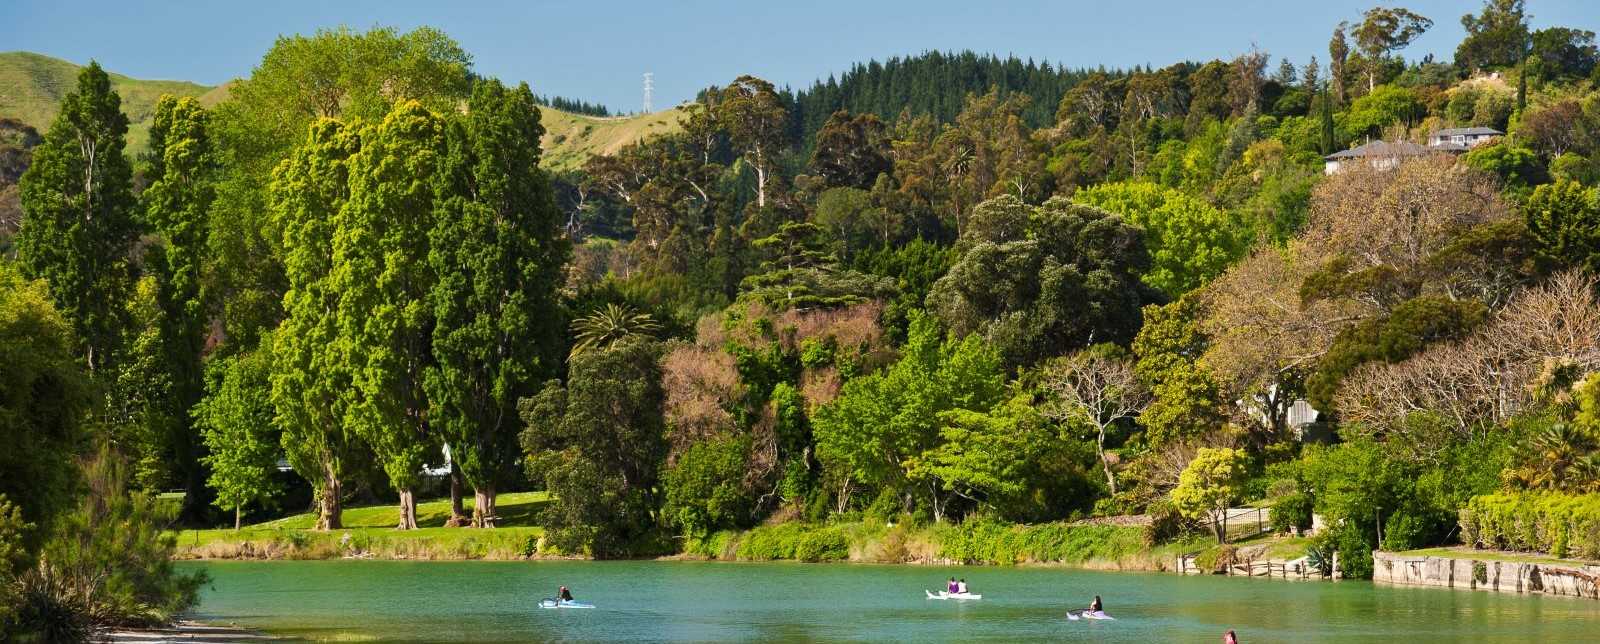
point(975, 542)
point(369, 532)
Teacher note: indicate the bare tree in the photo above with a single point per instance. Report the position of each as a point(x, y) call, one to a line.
point(1095, 391)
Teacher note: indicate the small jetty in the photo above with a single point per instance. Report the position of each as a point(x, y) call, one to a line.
point(186, 631)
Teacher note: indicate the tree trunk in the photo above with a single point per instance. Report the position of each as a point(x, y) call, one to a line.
point(483, 499)
point(458, 514)
point(408, 510)
point(1111, 479)
point(236, 518)
point(329, 513)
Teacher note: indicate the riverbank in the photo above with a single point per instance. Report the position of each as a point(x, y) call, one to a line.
point(1494, 571)
point(185, 632)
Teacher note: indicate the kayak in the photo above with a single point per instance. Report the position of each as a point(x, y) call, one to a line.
point(1080, 613)
point(550, 602)
point(943, 594)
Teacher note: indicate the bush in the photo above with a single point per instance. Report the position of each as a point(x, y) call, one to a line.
point(827, 544)
point(1292, 512)
point(983, 540)
point(1550, 522)
point(1355, 554)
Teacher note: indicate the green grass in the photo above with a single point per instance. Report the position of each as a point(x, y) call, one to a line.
point(570, 139)
point(1492, 555)
point(369, 530)
point(32, 85)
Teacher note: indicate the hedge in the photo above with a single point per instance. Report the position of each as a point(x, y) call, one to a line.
point(1563, 525)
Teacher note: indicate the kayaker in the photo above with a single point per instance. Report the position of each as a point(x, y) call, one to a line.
point(951, 587)
point(961, 587)
point(565, 595)
point(1095, 606)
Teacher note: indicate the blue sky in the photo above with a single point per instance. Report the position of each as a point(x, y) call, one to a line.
point(596, 50)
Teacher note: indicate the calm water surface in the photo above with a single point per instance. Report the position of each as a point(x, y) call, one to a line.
point(688, 601)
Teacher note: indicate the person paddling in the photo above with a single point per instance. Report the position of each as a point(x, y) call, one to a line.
point(1096, 606)
point(951, 587)
point(961, 586)
point(1230, 638)
point(565, 595)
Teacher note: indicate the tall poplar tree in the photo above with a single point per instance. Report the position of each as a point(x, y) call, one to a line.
point(177, 205)
point(382, 277)
point(310, 379)
point(78, 223)
point(497, 253)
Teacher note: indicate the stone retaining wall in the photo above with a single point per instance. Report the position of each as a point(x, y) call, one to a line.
point(1573, 580)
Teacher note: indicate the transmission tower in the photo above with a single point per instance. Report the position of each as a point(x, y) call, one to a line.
point(649, 88)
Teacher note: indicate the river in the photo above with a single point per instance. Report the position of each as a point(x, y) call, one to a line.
point(692, 601)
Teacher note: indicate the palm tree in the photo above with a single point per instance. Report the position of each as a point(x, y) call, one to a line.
point(609, 325)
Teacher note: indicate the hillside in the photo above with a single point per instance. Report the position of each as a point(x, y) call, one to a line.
point(570, 139)
point(31, 87)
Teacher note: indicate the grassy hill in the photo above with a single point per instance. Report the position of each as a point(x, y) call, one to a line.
point(570, 139)
point(31, 87)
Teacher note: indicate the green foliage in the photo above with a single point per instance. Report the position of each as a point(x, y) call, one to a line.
point(704, 489)
point(983, 540)
point(1186, 397)
point(236, 420)
point(1387, 105)
point(1210, 482)
point(1519, 169)
point(495, 252)
point(1037, 281)
point(882, 420)
point(799, 273)
point(1564, 220)
point(1190, 242)
point(914, 267)
point(79, 224)
point(111, 557)
point(310, 377)
point(597, 444)
point(43, 400)
point(381, 273)
point(1292, 512)
point(1562, 525)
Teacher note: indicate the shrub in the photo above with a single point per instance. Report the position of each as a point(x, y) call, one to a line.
point(827, 544)
point(1551, 522)
point(983, 540)
point(1292, 512)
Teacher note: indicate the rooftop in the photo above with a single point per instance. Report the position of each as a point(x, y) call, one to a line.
point(1468, 131)
point(1383, 149)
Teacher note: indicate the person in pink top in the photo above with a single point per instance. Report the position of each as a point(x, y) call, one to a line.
point(1230, 638)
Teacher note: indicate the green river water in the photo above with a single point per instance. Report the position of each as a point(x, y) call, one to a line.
point(691, 601)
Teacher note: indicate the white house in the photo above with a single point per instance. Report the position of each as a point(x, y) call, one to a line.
point(1463, 137)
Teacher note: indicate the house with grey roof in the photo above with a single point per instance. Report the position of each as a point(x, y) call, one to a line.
point(1383, 155)
point(1464, 138)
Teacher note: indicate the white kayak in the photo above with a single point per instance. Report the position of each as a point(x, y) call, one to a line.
point(1080, 613)
point(550, 602)
point(944, 594)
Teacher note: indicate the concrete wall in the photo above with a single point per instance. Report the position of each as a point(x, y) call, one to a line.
point(1501, 576)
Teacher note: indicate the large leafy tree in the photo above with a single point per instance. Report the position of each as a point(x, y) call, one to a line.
point(177, 204)
point(1041, 281)
point(1190, 241)
point(236, 422)
point(598, 444)
point(851, 151)
point(496, 254)
point(1384, 30)
point(1212, 480)
point(1496, 37)
point(383, 279)
point(754, 118)
point(78, 224)
point(311, 379)
point(333, 73)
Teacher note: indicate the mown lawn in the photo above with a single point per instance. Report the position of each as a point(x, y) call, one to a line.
point(370, 529)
